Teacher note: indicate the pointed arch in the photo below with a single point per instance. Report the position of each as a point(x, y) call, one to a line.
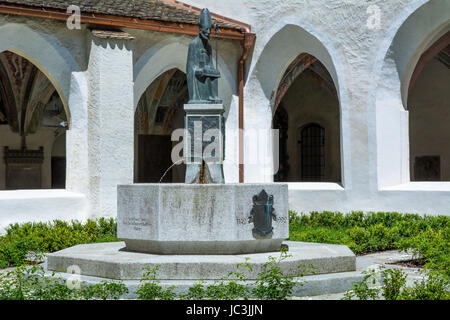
point(289, 48)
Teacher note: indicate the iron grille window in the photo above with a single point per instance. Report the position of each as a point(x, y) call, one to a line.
point(312, 152)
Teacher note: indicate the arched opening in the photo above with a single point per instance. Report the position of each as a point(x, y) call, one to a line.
point(308, 119)
point(429, 114)
point(32, 117)
point(396, 82)
point(159, 112)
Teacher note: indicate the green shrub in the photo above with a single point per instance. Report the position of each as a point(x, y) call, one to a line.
point(21, 239)
point(366, 289)
point(428, 236)
point(393, 282)
point(354, 219)
point(433, 286)
point(433, 245)
point(327, 219)
point(220, 290)
point(271, 284)
point(294, 218)
point(150, 288)
point(360, 239)
point(31, 283)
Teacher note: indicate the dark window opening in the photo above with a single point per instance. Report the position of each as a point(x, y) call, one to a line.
point(312, 153)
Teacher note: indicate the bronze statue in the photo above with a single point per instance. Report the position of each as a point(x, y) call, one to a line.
point(202, 76)
point(204, 108)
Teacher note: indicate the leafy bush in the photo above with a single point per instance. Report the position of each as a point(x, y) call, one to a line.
point(366, 289)
point(270, 284)
point(21, 239)
point(433, 245)
point(220, 290)
point(428, 236)
point(393, 282)
point(31, 283)
point(433, 286)
point(231, 287)
point(150, 289)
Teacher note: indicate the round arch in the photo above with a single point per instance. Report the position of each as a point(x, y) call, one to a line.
point(48, 55)
point(53, 59)
point(170, 54)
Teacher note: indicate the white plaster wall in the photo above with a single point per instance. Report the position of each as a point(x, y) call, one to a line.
point(41, 206)
point(110, 122)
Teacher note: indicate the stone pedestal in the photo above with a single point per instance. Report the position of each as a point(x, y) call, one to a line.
point(113, 261)
point(213, 219)
point(204, 142)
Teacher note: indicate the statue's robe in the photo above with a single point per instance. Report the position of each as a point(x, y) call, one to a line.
point(202, 89)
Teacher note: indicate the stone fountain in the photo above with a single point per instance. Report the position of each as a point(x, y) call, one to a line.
point(204, 228)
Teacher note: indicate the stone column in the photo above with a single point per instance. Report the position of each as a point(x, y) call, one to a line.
point(110, 119)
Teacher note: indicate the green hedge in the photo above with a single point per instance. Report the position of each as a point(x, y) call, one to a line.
point(21, 239)
point(428, 236)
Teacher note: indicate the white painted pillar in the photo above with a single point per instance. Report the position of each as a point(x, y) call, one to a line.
point(77, 155)
point(259, 161)
point(110, 119)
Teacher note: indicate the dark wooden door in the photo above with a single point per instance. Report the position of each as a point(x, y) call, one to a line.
point(154, 158)
point(58, 172)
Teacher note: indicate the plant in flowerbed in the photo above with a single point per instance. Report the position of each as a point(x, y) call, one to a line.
point(428, 237)
point(25, 243)
point(391, 284)
point(32, 283)
point(271, 284)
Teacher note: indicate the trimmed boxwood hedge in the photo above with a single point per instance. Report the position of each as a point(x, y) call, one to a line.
point(427, 236)
point(43, 237)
